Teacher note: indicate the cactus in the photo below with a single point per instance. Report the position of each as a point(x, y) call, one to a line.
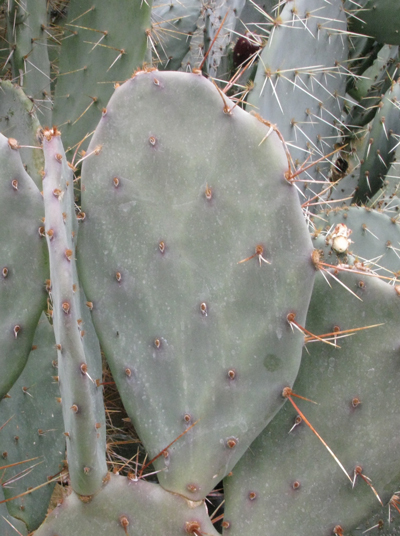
point(120, 219)
point(297, 94)
point(130, 506)
point(23, 262)
point(8, 524)
point(84, 86)
point(376, 19)
point(383, 139)
point(26, 34)
point(34, 430)
point(387, 198)
point(373, 82)
point(220, 23)
point(83, 412)
point(198, 235)
point(349, 417)
point(373, 237)
point(19, 122)
point(384, 523)
point(173, 27)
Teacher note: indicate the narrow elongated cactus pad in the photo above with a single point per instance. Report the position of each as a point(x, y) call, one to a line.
point(180, 192)
point(23, 263)
point(387, 198)
point(371, 87)
point(79, 363)
point(128, 507)
point(228, 12)
point(288, 480)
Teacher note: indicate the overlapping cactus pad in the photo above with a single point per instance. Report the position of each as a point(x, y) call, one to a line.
point(128, 507)
point(301, 91)
point(79, 360)
point(288, 479)
point(23, 262)
point(167, 234)
point(32, 432)
point(98, 50)
point(375, 18)
point(181, 187)
point(8, 524)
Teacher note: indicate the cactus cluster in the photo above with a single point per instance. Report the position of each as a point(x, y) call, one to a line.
point(214, 222)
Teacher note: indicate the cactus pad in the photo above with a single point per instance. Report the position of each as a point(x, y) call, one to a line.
point(288, 479)
point(179, 190)
point(128, 507)
point(34, 430)
point(23, 264)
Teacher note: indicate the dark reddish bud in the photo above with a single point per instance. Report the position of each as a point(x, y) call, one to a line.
point(244, 48)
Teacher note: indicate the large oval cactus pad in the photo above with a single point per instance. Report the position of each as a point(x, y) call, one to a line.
point(180, 191)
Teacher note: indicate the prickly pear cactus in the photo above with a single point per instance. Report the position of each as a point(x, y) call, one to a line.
point(198, 267)
point(295, 90)
point(96, 54)
point(382, 142)
point(288, 478)
point(376, 19)
point(173, 26)
point(32, 429)
point(83, 409)
point(19, 121)
point(130, 507)
point(27, 36)
point(369, 236)
point(190, 272)
point(23, 267)
point(8, 524)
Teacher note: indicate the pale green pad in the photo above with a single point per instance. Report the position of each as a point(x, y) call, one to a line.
point(179, 193)
point(35, 430)
point(297, 485)
point(146, 507)
point(23, 264)
point(103, 45)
